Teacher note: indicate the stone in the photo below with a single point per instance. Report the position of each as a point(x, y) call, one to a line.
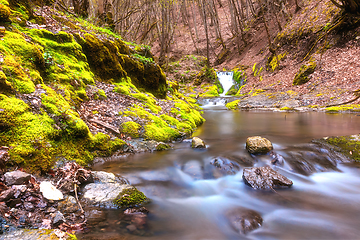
point(103, 177)
point(50, 192)
point(265, 178)
point(16, 178)
point(103, 194)
point(258, 145)
point(197, 143)
point(7, 194)
point(68, 205)
point(225, 166)
point(58, 218)
point(244, 220)
point(30, 234)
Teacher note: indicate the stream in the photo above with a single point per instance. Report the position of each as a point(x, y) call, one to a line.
point(191, 198)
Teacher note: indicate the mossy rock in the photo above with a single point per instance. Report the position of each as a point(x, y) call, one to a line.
point(232, 91)
point(4, 13)
point(348, 145)
point(302, 76)
point(148, 76)
point(130, 129)
point(5, 86)
point(130, 197)
point(102, 60)
point(233, 105)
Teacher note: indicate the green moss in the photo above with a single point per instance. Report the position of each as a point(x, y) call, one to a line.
point(25, 133)
point(160, 133)
point(342, 108)
point(100, 94)
point(104, 146)
point(162, 147)
point(102, 58)
point(302, 76)
point(349, 145)
point(130, 197)
point(131, 129)
point(209, 91)
point(233, 105)
point(188, 114)
point(286, 109)
point(4, 12)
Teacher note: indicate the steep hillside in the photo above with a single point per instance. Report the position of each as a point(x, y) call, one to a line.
point(308, 58)
point(71, 90)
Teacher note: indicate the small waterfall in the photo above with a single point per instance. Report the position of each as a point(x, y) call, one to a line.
point(226, 81)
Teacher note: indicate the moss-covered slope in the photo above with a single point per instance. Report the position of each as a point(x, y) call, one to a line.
point(51, 73)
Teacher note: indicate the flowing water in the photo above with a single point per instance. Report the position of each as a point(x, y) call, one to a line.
point(226, 80)
point(191, 198)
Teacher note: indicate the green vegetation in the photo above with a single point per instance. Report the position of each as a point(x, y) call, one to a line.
point(131, 129)
point(233, 105)
point(302, 76)
point(342, 108)
point(130, 197)
point(349, 145)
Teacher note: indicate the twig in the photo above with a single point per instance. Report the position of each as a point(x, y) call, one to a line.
point(77, 199)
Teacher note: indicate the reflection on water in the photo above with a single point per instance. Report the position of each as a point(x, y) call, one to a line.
point(191, 197)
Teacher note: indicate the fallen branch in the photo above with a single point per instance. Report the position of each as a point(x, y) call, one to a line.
point(356, 93)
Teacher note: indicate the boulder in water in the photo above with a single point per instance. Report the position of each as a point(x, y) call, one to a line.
point(265, 178)
point(197, 143)
point(258, 145)
point(244, 220)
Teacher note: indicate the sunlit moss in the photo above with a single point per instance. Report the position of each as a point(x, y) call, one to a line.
point(233, 105)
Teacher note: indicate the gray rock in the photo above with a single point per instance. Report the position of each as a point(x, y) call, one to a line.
point(265, 178)
point(58, 218)
point(16, 178)
point(258, 145)
point(103, 177)
point(103, 194)
point(197, 143)
point(244, 220)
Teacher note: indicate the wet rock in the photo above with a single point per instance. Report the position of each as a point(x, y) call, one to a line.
point(244, 220)
point(103, 177)
point(194, 169)
point(50, 192)
point(103, 194)
point(224, 166)
point(68, 205)
point(16, 178)
point(265, 178)
point(276, 159)
point(258, 145)
point(197, 143)
point(95, 216)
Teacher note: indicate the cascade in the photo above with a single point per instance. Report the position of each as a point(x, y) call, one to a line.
point(226, 81)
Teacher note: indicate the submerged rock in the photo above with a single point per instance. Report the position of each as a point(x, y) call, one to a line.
point(16, 178)
point(265, 178)
point(244, 220)
point(224, 166)
point(50, 192)
point(258, 145)
point(197, 143)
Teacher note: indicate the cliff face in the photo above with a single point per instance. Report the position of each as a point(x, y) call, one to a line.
point(72, 90)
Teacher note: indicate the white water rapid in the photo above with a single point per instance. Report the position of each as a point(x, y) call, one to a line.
point(226, 80)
